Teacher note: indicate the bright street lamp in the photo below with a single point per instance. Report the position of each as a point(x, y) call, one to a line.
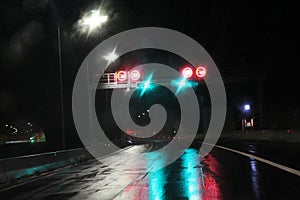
point(111, 57)
point(91, 21)
point(247, 107)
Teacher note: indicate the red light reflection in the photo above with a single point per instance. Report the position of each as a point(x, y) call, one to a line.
point(211, 187)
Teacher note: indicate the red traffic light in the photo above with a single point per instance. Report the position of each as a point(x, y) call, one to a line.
point(121, 75)
point(135, 75)
point(200, 72)
point(187, 72)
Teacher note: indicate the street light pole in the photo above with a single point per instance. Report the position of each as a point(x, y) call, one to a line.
point(61, 90)
point(90, 22)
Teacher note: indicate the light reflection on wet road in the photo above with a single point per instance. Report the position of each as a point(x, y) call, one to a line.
point(220, 175)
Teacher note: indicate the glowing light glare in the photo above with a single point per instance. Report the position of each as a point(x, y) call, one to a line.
point(111, 57)
point(200, 72)
point(147, 85)
point(246, 107)
point(121, 76)
point(135, 75)
point(187, 72)
point(31, 139)
point(182, 84)
point(92, 20)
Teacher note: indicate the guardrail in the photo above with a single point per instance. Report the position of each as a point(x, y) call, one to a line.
point(22, 166)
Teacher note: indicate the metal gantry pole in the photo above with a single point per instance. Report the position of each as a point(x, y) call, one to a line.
point(61, 90)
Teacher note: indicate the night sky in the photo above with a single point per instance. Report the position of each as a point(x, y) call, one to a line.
point(243, 37)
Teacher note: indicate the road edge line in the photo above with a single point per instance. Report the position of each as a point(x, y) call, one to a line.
point(263, 160)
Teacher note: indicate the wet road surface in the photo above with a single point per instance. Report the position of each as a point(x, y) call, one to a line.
point(222, 174)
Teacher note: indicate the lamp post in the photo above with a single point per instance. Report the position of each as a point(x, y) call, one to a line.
point(61, 90)
point(90, 22)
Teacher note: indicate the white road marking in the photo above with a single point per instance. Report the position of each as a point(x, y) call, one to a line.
point(277, 165)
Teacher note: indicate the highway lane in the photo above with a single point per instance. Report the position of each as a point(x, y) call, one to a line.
point(222, 174)
point(283, 153)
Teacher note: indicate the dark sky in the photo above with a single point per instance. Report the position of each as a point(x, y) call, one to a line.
point(240, 36)
point(243, 37)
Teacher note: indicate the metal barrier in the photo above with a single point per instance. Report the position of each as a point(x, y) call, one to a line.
point(17, 167)
point(22, 166)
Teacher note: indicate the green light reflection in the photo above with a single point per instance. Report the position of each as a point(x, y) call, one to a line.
point(191, 174)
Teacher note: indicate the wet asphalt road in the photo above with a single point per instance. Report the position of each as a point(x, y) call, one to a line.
point(220, 175)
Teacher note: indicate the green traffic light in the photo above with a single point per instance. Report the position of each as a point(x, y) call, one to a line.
point(31, 140)
point(182, 84)
point(147, 85)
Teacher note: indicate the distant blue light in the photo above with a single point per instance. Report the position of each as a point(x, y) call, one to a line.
point(247, 107)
